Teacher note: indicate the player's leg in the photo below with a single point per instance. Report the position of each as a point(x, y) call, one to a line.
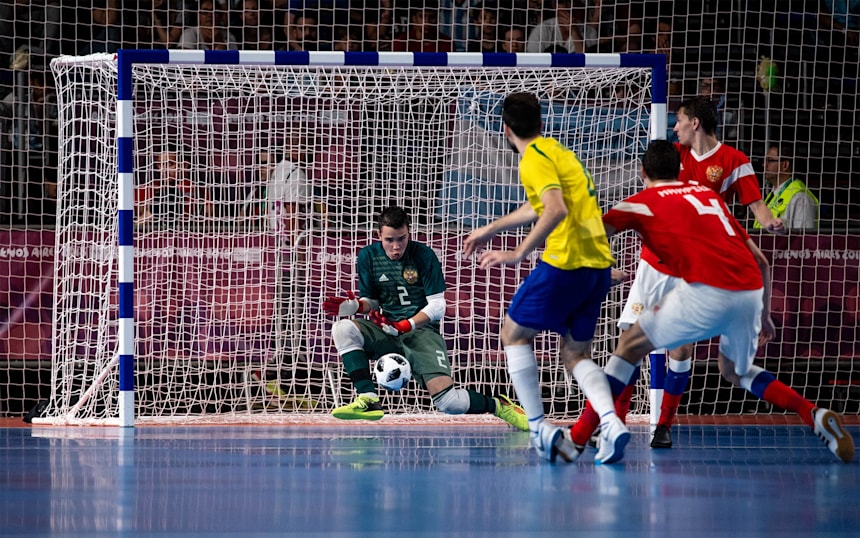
point(432, 370)
point(592, 380)
point(738, 345)
point(675, 383)
point(545, 301)
point(356, 341)
point(679, 322)
point(649, 286)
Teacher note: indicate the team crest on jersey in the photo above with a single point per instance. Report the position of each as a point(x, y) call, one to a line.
point(410, 275)
point(714, 173)
point(638, 308)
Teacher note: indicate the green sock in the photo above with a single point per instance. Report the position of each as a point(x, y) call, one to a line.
point(478, 403)
point(357, 367)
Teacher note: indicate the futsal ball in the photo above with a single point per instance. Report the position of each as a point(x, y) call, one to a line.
point(392, 371)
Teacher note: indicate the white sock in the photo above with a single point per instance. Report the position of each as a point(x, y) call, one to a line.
point(592, 381)
point(522, 367)
point(619, 369)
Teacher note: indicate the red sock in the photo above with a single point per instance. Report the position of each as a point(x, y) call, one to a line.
point(785, 397)
point(584, 426)
point(622, 402)
point(669, 408)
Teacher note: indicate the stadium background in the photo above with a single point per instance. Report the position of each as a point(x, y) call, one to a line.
point(807, 99)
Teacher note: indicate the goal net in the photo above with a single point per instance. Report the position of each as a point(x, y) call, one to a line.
point(254, 187)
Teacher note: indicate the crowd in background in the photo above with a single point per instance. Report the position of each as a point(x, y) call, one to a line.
point(34, 31)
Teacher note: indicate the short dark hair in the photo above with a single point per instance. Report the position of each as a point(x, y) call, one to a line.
point(521, 112)
point(393, 217)
point(702, 108)
point(786, 151)
point(661, 160)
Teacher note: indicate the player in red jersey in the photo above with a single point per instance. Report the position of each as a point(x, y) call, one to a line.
point(723, 290)
point(726, 170)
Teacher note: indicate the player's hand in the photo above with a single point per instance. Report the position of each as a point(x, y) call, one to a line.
point(618, 276)
point(776, 226)
point(341, 307)
point(392, 328)
point(476, 240)
point(492, 258)
point(768, 331)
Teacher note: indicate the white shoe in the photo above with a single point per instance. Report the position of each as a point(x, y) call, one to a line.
point(550, 441)
point(828, 428)
point(614, 436)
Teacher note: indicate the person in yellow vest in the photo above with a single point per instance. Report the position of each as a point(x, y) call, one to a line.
point(789, 199)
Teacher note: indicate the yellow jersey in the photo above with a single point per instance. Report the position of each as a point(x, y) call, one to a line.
point(580, 239)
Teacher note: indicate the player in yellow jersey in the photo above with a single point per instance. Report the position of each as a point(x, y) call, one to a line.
point(565, 291)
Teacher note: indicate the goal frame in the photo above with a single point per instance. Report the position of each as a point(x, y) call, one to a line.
point(127, 59)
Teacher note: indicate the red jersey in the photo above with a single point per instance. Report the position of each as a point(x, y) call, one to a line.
point(692, 232)
point(724, 169)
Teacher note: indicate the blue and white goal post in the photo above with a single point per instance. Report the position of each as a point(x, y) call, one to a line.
point(212, 307)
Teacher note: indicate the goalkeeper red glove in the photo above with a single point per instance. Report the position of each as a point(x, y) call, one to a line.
point(341, 307)
point(393, 328)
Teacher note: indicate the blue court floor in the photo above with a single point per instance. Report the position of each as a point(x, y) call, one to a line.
point(374, 480)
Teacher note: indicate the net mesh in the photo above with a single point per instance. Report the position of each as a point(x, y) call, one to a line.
point(780, 72)
point(255, 188)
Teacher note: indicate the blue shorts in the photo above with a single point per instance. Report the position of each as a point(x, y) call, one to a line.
point(562, 301)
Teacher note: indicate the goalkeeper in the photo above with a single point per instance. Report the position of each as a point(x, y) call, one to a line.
point(402, 290)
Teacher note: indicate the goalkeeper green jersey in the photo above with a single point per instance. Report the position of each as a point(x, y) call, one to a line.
point(401, 286)
point(580, 239)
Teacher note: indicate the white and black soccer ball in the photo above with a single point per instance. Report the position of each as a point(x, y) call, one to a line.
point(392, 371)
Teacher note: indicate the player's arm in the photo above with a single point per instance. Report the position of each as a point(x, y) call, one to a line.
point(521, 216)
point(764, 216)
point(768, 331)
point(433, 311)
point(554, 211)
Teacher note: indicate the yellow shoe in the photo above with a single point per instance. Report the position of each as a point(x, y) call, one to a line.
point(362, 408)
point(511, 413)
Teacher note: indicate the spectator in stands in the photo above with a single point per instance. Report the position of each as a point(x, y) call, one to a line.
point(486, 21)
point(171, 196)
point(248, 28)
point(455, 21)
point(729, 116)
point(283, 191)
point(37, 146)
point(211, 30)
point(36, 26)
point(106, 33)
point(573, 29)
point(514, 39)
point(423, 33)
point(658, 39)
point(348, 39)
point(162, 24)
point(789, 199)
point(266, 31)
point(628, 39)
point(536, 11)
point(379, 26)
point(302, 31)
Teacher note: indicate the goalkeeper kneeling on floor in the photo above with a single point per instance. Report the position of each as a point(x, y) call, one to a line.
point(402, 293)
